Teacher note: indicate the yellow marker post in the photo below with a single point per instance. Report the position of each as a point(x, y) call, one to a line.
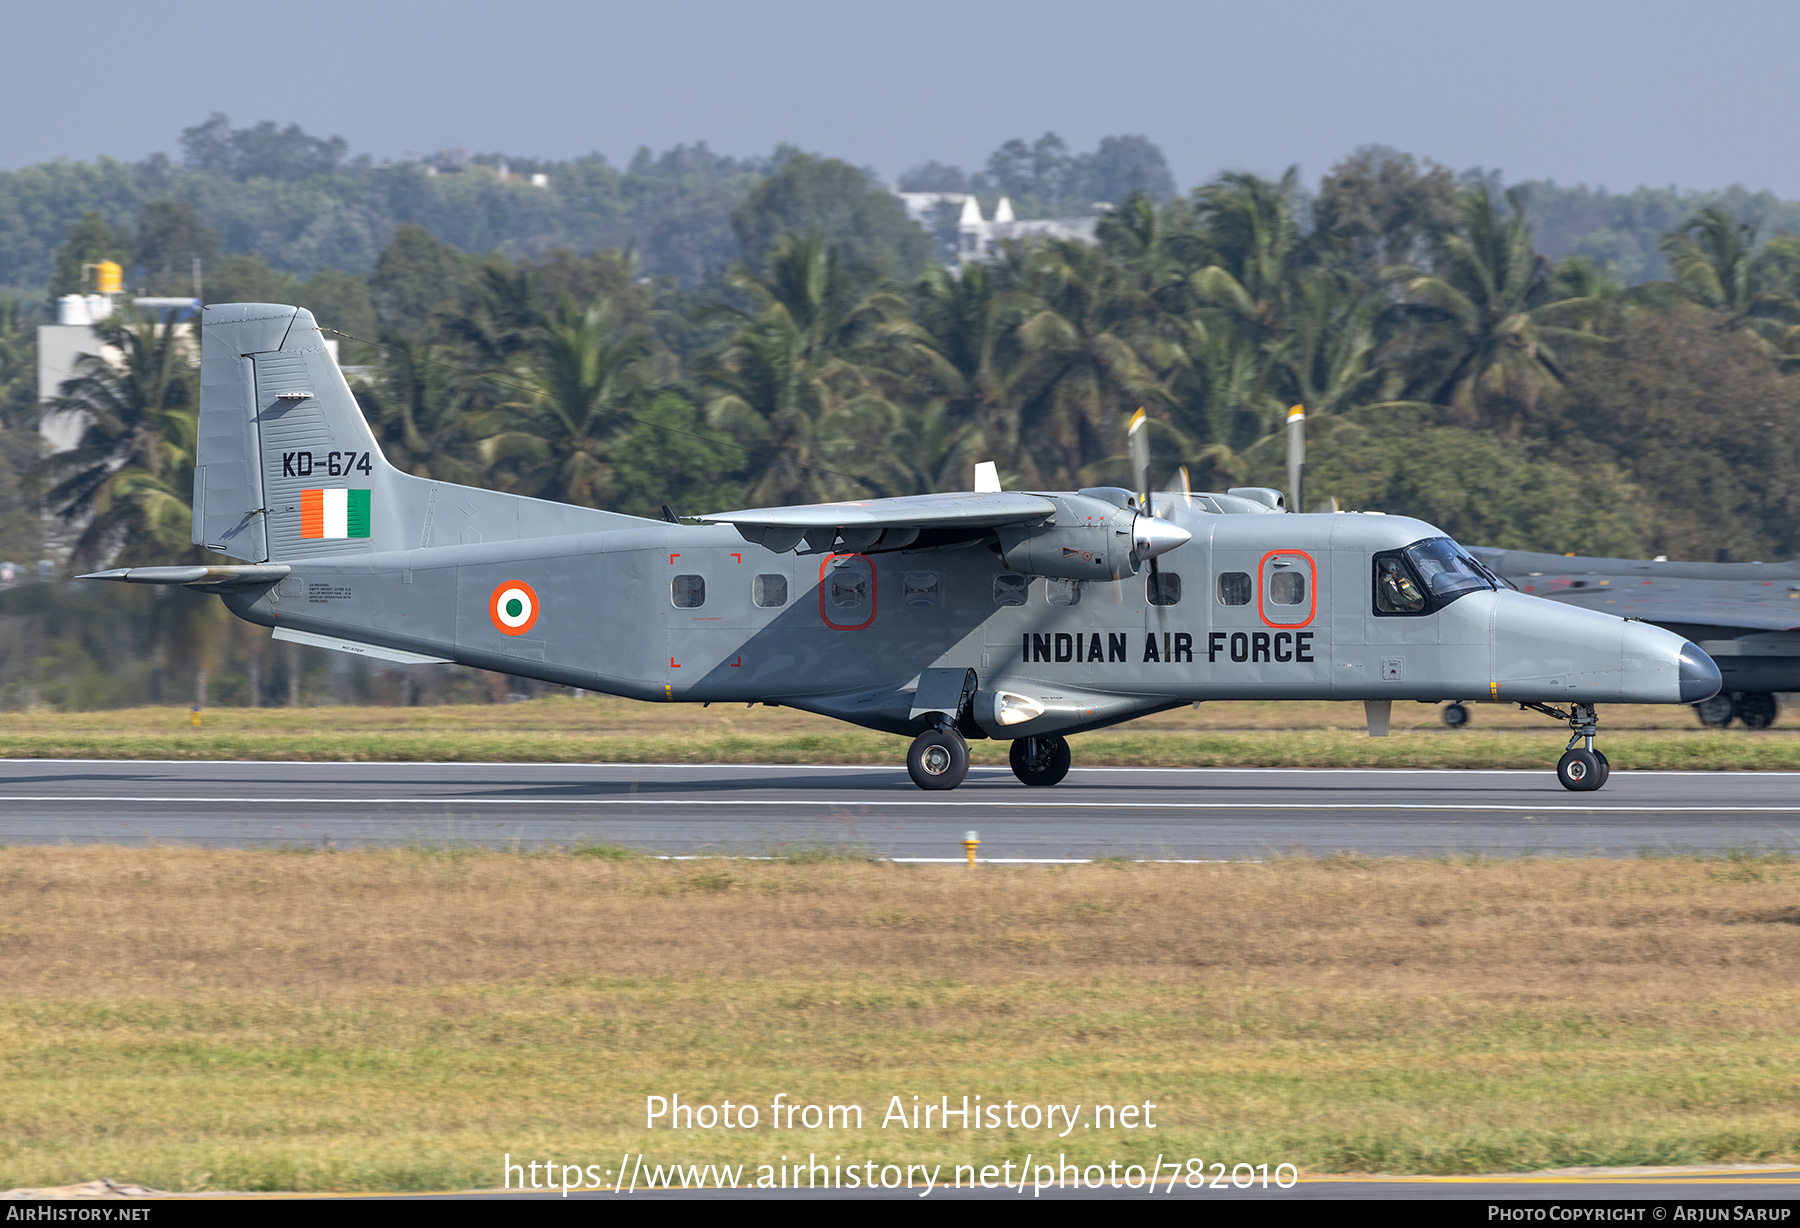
point(971, 842)
point(194, 717)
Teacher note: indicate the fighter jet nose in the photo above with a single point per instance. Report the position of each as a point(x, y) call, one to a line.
point(1152, 535)
point(1699, 676)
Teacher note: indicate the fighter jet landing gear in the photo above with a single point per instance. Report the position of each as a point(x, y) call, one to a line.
point(1582, 769)
point(1757, 710)
point(1042, 760)
point(938, 759)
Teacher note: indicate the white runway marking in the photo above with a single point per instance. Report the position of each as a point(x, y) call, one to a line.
point(978, 769)
point(963, 801)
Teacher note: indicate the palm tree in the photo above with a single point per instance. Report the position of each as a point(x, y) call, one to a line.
point(805, 382)
point(418, 405)
point(581, 377)
point(128, 482)
point(1482, 333)
point(1076, 351)
point(1715, 264)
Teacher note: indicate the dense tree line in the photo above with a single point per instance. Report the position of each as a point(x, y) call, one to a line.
point(302, 205)
point(1451, 370)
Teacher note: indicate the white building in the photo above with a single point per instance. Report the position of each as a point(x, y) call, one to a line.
point(75, 333)
point(979, 238)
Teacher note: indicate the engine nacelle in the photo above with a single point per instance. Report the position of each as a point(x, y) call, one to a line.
point(1086, 540)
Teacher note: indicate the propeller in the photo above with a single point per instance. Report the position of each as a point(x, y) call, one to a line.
point(1151, 536)
point(1139, 440)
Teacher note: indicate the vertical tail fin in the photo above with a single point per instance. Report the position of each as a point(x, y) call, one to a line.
point(288, 468)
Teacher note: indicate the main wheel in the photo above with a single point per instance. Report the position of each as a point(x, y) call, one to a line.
point(1717, 711)
point(1605, 770)
point(1456, 716)
point(1042, 760)
point(1579, 771)
point(938, 759)
point(1757, 709)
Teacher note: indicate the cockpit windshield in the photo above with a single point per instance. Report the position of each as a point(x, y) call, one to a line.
point(1426, 576)
point(1448, 572)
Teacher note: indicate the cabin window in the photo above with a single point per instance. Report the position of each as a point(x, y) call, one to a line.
point(1063, 592)
point(769, 591)
point(920, 588)
point(688, 592)
point(1010, 589)
point(1287, 588)
point(1163, 588)
point(1234, 588)
point(849, 587)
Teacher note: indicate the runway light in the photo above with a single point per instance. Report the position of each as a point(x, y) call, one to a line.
point(971, 841)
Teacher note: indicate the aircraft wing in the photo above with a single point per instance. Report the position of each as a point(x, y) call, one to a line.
point(1749, 614)
point(885, 524)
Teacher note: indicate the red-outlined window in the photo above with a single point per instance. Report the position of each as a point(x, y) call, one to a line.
point(847, 589)
point(1287, 614)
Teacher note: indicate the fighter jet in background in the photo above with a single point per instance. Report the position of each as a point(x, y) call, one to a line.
point(1746, 616)
point(1017, 615)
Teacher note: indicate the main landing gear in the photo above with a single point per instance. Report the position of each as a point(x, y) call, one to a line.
point(1582, 769)
point(939, 759)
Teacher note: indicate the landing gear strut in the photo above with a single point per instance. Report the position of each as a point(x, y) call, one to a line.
point(1043, 760)
point(938, 759)
point(1582, 769)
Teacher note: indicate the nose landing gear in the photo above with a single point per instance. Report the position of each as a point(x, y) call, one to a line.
point(1581, 769)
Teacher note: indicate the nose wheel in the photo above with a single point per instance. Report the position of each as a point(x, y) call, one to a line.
point(938, 759)
point(1582, 769)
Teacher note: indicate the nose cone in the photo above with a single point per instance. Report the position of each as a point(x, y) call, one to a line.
point(1152, 535)
point(1699, 676)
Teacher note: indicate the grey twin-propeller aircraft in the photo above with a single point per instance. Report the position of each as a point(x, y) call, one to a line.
point(982, 614)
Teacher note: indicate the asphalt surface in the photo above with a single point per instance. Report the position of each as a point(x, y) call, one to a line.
point(1201, 814)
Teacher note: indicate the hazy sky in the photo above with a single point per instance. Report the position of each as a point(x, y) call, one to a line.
point(1614, 94)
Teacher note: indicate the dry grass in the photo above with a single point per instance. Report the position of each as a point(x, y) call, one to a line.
point(595, 729)
point(398, 1019)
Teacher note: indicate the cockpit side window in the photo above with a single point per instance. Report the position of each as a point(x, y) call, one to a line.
point(1397, 590)
point(1425, 577)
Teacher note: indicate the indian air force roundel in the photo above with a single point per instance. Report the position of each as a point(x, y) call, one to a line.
point(514, 608)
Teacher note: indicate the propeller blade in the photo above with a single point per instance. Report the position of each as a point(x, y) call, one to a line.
point(987, 478)
point(1139, 440)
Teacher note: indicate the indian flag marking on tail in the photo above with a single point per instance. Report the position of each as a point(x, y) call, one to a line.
point(334, 513)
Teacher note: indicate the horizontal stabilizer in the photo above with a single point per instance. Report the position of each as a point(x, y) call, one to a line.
point(224, 575)
point(356, 647)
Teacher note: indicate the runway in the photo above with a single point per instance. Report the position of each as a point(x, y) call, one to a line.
point(1184, 814)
